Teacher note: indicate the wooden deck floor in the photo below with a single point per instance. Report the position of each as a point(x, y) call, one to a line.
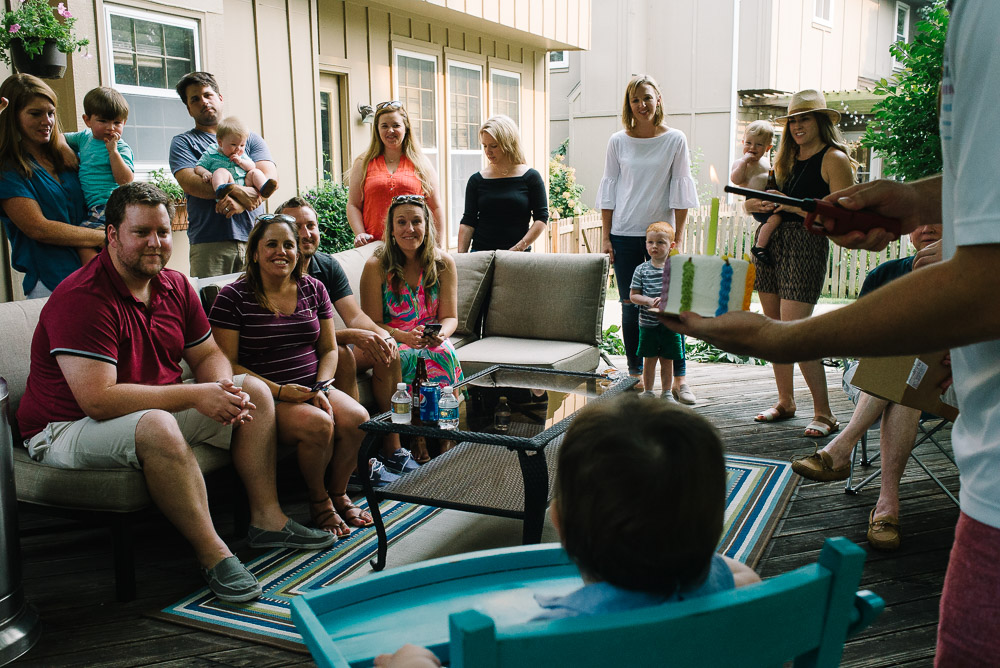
point(68, 577)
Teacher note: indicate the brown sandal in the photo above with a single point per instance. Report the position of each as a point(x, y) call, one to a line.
point(325, 517)
point(354, 516)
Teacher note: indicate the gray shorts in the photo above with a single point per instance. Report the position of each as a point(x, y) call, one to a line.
point(109, 444)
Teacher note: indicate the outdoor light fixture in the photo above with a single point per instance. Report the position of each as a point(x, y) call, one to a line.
point(367, 113)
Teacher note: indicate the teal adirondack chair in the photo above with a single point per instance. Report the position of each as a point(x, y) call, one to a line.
point(804, 615)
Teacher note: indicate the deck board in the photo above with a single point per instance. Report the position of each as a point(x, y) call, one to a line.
point(69, 581)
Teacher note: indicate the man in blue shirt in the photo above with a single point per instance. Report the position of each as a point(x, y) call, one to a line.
point(218, 230)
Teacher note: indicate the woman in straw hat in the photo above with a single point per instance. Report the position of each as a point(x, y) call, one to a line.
point(812, 161)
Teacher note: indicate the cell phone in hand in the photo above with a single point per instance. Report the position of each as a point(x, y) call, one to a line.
point(432, 329)
point(321, 385)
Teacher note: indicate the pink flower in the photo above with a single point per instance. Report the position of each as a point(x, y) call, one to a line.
point(14, 28)
point(63, 12)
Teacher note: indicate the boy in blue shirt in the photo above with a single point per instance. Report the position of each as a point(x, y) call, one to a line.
point(105, 160)
point(640, 499)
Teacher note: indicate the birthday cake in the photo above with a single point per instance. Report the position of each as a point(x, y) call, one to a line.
point(706, 284)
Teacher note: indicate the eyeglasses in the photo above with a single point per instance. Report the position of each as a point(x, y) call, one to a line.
point(395, 104)
point(408, 199)
point(280, 217)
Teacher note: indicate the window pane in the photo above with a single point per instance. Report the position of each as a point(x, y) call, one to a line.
point(463, 165)
point(506, 95)
point(121, 33)
point(125, 69)
point(148, 37)
point(417, 92)
point(179, 42)
point(325, 131)
point(138, 49)
point(465, 106)
point(152, 72)
point(152, 123)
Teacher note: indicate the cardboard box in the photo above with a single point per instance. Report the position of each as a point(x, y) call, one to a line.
point(908, 381)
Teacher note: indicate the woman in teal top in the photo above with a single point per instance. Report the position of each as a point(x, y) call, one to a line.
point(39, 189)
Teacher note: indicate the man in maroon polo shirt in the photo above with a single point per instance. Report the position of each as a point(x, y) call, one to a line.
point(105, 390)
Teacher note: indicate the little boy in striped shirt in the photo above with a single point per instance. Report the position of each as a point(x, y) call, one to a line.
point(656, 342)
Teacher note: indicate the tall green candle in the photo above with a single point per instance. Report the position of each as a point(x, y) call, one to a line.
point(713, 227)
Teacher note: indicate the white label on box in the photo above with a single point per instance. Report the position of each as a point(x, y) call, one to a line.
point(917, 373)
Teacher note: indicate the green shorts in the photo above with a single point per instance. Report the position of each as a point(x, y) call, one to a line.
point(659, 341)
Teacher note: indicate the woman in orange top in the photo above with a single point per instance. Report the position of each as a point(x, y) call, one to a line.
point(393, 165)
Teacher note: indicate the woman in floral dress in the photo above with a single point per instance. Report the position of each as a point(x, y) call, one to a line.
point(408, 284)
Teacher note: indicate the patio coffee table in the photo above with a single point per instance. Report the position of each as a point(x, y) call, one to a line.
point(506, 474)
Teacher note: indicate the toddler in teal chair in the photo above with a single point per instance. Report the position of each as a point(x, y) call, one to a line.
point(639, 502)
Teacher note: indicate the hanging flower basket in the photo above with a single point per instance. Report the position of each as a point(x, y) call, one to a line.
point(36, 37)
point(50, 64)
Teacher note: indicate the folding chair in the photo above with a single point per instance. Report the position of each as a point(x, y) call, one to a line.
point(929, 426)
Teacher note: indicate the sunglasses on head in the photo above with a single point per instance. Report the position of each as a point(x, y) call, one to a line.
point(394, 104)
point(408, 199)
point(280, 217)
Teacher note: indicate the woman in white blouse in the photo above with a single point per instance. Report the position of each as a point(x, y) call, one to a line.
point(647, 178)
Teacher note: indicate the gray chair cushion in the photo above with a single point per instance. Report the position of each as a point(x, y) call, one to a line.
point(475, 274)
point(17, 327)
point(547, 296)
point(561, 355)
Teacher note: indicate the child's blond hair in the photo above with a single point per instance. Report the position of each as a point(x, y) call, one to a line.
point(661, 227)
point(762, 129)
point(231, 127)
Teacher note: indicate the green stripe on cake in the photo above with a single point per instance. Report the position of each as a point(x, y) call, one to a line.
point(687, 286)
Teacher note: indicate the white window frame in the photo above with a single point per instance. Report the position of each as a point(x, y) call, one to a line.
point(435, 154)
point(493, 100)
point(905, 37)
point(823, 12)
point(455, 216)
point(562, 63)
point(164, 19)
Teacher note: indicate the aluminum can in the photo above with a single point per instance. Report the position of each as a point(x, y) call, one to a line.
point(430, 397)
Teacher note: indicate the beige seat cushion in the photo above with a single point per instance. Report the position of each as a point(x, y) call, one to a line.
point(475, 275)
point(352, 261)
point(561, 355)
point(118, 490)
point(547, 296)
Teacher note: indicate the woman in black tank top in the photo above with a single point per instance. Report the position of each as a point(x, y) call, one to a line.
point(812, 162)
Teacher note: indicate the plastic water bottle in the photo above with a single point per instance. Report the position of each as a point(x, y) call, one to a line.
point(448, 407)
point(401, 403)
point(501, 417)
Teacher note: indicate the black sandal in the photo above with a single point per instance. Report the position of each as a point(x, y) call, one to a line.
point(763, 254)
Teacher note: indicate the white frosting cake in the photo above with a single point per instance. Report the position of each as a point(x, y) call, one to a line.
point(706, 284)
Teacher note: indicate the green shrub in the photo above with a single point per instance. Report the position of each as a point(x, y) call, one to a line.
point(565, 194)
point(699, 351)
point(905, 128)
point(163, 180)
point(330, 201)
point(611, 341)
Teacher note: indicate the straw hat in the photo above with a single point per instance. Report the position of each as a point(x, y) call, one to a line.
point(808, 101)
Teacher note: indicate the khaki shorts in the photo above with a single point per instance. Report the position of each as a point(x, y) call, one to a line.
point(108, 444)
point(217, 258)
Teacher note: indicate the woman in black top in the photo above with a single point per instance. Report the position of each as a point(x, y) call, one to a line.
point(502, 200)
point(812, 162)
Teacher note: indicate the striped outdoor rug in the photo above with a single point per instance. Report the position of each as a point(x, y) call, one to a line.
point(757, 491)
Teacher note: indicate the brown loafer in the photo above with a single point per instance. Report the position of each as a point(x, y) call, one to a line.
point(819, 467)
point(883, 533)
